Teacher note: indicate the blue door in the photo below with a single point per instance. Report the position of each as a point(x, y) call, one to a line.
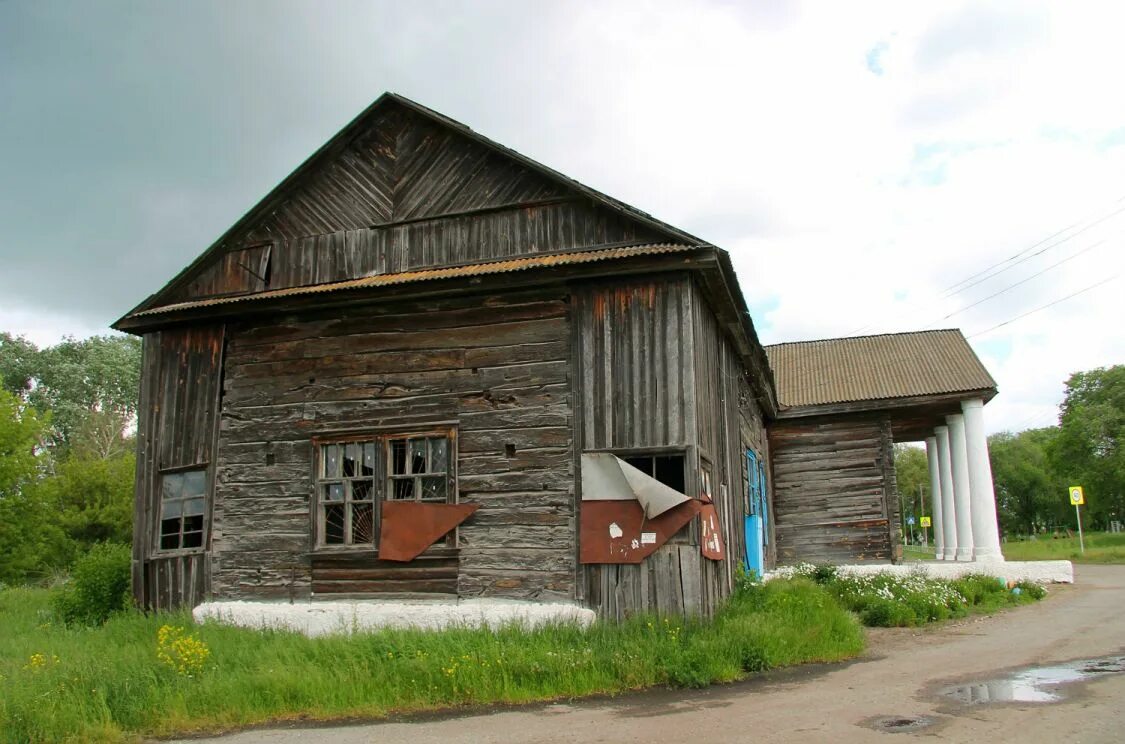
point(757, 521)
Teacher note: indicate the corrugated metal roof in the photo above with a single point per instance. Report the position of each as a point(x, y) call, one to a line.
point(423, 275)
point(898, 365)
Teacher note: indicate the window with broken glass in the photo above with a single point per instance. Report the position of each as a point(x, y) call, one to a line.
point(183, 503)
point(354, 477)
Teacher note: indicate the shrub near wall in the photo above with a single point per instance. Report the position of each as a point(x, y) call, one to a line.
point(98, 586)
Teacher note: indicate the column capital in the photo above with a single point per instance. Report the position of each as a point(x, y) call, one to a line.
point(939, 430)
point(972, 403)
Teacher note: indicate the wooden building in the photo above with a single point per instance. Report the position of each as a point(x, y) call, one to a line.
point(844, 403)
point(394, 375)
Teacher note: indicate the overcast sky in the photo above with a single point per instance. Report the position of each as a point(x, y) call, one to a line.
point(858, 160)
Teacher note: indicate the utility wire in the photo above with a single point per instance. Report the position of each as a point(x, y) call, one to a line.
point(1044, 307)
point(957, 288)
point(1022, 281)
point(1052, 236)
point(1033, 255)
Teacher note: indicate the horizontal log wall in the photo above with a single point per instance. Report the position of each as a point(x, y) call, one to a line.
point(497, 366)
point(176, 428)
point(831, 489)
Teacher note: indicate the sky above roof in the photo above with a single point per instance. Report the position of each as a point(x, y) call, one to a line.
point(861, 163)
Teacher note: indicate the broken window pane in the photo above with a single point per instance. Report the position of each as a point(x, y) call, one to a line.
point(352, 457)
point(363, 490)
point(363, 523)
point(433, 489)
point(182, 509)
point(398, 457)
point(334, 524)
point(193, 539)
point(418, 455)
point(334, 492)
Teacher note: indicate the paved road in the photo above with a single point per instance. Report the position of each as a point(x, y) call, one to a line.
point(898, 677)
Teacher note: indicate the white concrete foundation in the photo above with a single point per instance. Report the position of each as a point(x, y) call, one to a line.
point(1040, 572)
point(342, 617)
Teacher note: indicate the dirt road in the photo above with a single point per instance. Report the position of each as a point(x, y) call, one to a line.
point(899, 677)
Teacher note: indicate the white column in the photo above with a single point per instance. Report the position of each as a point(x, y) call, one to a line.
point(935, 495)
point(986, 537)
point(948, 524)
point(961, 494)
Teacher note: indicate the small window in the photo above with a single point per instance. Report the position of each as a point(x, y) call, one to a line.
point(354, 477)
point(668, 469)
point(183, 502)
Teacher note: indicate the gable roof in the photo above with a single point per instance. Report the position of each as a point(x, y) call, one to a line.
point(356, 128)
point(869, 368)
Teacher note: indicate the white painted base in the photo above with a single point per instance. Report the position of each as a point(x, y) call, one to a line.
point(1040, 572)
point(964, 554)
point(342, 617)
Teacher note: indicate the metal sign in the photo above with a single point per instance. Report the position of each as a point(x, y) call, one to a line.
point(926, 522)
point(910, 521)
point(1077, 496)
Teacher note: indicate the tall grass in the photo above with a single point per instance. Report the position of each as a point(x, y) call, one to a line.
point(107, 684)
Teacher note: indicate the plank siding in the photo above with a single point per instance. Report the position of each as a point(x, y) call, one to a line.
point(497, 366)
point(831, 489)
point(406, 194)
point(634, 365)
point(176, 428)
point(728, 422)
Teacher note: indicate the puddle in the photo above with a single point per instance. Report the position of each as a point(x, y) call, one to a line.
point(1035, 684)
point(896, 724)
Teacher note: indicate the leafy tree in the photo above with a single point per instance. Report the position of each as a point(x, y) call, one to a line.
point(912, 476)
point(92, 498)
point(94, 378)
point(30, 542)
point(18, 357)
point(1090, 449)
point(1029, 493)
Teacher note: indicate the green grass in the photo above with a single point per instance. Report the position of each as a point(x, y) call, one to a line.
point(1101, 547)
point(107, 684)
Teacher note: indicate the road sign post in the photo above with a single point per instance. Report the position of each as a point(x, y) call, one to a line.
point(1078, 497)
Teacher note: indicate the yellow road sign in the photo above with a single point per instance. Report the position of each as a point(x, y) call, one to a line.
point(1076, 495)
point(926, 522)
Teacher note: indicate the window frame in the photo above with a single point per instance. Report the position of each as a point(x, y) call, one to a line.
point(381, 480)
point(158, 551)
point(687, 451)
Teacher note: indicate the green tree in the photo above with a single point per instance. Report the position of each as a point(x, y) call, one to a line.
point(912, 474)
point(18, 357)
point(1089, 450)
point(89, 385)
point(92, 498)
point(31, 543)
point(1029, 493)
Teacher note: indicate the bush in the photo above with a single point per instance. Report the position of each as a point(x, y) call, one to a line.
point(99, 586)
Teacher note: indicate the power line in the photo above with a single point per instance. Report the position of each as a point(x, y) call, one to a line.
point(1028, 258)
point(1022, 281)
point(1044, 307)
point(957, 288)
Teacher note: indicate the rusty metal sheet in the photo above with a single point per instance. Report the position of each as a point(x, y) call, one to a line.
point(606, 477)
point(421, 275)
point(711, 533)
point(409, 527)
point(617, 531)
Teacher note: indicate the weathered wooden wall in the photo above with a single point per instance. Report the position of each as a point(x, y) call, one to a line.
point(176, 428)
point(834, 497)
point(495, 366)
point(406, 194)
point(728, 423)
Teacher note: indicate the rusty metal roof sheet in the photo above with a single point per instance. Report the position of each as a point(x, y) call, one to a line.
point(422, 275)
point(861, 368)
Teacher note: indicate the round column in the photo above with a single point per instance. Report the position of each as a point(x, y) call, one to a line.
point(986, 536)
point(948, 523)
point(961, 493)
point(935, 495)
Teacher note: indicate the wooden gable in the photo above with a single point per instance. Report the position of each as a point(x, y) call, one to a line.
point(404, 188)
